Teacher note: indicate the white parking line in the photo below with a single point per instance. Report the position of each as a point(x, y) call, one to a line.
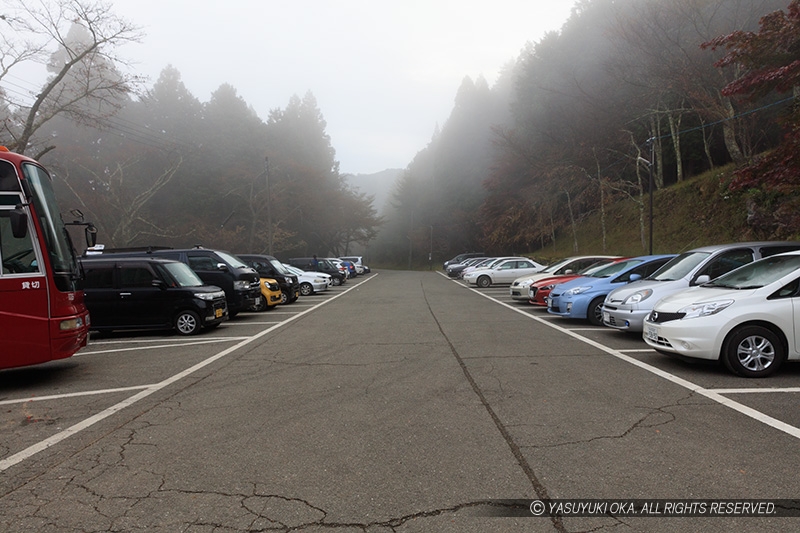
point(254, 323)
point(151, 347)
point(749, 391)
point(72, 395)
point(712, 394)
point(30, 451)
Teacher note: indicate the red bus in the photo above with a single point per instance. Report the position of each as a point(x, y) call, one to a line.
point(42, 314)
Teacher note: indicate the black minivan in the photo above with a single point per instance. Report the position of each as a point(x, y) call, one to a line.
point(269, 267)
point(215, 267)
point(149, 293)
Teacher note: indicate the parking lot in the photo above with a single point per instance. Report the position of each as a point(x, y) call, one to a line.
point(401, 401)
point(769, 400)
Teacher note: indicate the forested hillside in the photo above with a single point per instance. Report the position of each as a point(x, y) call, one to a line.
point(579, 122)
point(153, 165)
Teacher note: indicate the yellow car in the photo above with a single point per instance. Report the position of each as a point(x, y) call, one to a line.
point(270, 295)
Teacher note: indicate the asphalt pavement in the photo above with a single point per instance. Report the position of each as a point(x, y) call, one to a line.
point(399, 402)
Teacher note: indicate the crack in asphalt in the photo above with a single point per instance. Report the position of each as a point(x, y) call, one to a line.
point(538, 487)
point(641, 423)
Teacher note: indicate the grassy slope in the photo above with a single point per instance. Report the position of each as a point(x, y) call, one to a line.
point(696, 212)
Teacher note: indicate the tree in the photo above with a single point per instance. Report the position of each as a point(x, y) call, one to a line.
point(768, 61)
point(84, 83)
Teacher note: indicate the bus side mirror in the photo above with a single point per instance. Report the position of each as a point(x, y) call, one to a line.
point(91, 235)
point(19, 222)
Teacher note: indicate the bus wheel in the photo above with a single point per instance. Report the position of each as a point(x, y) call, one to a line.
point(187, 322)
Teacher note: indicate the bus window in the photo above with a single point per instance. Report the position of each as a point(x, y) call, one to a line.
point(8, 178)
point(18, 254)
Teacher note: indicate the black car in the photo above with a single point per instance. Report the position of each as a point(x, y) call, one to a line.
point(269, 267)
point(462, 257)
point(149, 293)
point(241, 283)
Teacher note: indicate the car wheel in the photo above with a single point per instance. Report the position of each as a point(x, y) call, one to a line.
point(337, 282)
point(484, 281)
point(753, 352)
point(260, 305)
point(187, 322)
point(284, 298)
point(595, 311)
point(306, 289)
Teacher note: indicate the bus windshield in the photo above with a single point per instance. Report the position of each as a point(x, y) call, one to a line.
point(55, 235)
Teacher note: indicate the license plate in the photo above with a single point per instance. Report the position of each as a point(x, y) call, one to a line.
point(651, 333)
point(218, 313)
point(606, 317)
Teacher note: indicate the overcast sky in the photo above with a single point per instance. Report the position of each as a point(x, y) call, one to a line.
point(384, 73)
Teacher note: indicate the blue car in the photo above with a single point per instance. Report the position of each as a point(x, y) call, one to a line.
point(583, 297)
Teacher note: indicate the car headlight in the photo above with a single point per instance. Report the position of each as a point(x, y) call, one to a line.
point(272, 286)
point(241, 285)
point(209, 295)
point(549, 287)
point(576, 290)
point(706, 309)
point(638, 296)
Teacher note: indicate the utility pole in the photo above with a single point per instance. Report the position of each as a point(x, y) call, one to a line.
point(269, 207)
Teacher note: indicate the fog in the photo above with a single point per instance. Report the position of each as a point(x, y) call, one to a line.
point(384, 73)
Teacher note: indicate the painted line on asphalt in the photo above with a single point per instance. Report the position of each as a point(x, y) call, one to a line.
point(753, 391)
point(72, 395)
point(215, 340)
point(711, 394)
point(256, 323)
point(42, 445)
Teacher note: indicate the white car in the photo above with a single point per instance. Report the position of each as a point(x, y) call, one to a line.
point(503, 271)
point(357, 260)
point(570, 265)
point(625, 308)
point(748, 318)
point(310, 282)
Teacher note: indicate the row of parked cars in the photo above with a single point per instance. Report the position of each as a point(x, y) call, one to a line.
point(195, 288)
point(737, 303)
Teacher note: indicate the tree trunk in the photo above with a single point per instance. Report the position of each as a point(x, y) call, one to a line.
point(729, 133)
point(674, 129)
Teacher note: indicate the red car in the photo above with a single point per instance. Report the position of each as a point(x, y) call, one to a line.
point(540, 289)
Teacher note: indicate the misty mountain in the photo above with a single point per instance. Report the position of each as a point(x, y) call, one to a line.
point(379, 185)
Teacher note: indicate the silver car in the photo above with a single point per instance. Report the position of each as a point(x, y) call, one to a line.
point(626, 308)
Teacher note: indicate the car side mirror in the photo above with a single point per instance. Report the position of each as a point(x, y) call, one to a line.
point(160, 284)
point(705, 278)
point(635, 277)
point(222, 266)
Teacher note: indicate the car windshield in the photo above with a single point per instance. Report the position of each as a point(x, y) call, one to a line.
point(232, 260)
point(758, 274)
point(294, 270)
point(614, 268)
point(278, 266)
point(183, 275)
point(591, 269)
point(555, 266)
point(679, 267)
point(485, 262)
